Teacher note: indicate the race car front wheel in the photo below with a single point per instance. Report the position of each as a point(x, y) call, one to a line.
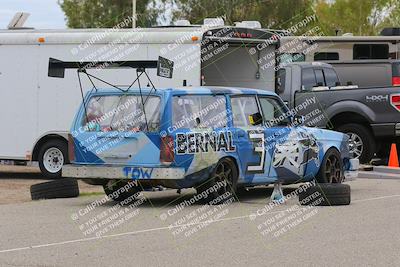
point(222, 184)
point(331, 170)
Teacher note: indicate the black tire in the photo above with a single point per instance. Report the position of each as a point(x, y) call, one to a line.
point(326, 195)
point(367, 138)
point(61, 188)
point(331, 169)
point(222, 183)
point(119, 190)
point(56, 145)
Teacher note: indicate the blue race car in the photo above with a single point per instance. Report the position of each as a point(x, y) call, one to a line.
point(199, 137)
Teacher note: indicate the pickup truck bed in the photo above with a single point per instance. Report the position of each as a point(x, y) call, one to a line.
point(371, 116)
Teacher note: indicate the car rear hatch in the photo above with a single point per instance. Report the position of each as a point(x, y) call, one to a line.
point(116, 129)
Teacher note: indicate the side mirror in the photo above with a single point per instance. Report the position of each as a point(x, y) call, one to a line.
point(255, 119)
point(320, 84)
point(298, 120)
point(337, 84)
point(279, 86)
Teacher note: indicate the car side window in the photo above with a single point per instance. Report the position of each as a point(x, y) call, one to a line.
point(242, 108)
point(319, 76)
point(370, 51)
point(273, 112)
point(199, 111)
point(308, 79)
point(331, 77)
point(322, 56)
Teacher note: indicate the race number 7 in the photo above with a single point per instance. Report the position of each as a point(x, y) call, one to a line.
point(259, 148)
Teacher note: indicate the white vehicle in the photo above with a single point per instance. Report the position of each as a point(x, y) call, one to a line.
point(339, 48)
point(37, 111)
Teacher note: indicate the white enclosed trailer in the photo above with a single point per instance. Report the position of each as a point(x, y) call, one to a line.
point(37, 110)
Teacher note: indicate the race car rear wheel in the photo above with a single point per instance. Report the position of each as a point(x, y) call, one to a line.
point(121, 190)
point(222, 184)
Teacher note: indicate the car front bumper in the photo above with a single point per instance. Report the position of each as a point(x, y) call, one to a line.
point(122, 172)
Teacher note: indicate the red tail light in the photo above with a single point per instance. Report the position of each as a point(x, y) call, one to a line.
point(396, 81)
point(167, 150)
point(395, 101)
point(71, 148)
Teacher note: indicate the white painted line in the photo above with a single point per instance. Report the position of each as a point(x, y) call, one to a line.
point(374, 198)
point(161, 228)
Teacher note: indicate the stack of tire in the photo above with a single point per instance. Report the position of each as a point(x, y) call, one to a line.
point(328, 190)
point(61, 188)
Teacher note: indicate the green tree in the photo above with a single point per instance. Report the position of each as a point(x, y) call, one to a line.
point(281, 14)
point(393, 19)
point(271, 13)
point(106, 13)
point(360, 17)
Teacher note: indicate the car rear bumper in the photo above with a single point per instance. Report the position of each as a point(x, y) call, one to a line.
point(352, 171)
point(122, 172)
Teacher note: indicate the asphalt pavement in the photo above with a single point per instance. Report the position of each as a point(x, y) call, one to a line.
point(166, 229)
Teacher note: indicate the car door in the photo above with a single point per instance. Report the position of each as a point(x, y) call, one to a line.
point(249, 139)
point(286, 146)
point(199, 127)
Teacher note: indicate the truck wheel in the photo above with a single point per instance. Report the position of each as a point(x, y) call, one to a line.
point(222, 184)
point(331, 169)
point(326, 195)
point(61, 188)
point(52, 156)
point(121, 190)
point(362, 143)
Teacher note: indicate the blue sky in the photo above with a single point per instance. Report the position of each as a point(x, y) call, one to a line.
point(45, 14)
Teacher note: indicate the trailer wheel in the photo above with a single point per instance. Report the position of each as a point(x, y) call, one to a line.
point(362, 142)
point(61, 188)
point(326, 195)
point(52, 156)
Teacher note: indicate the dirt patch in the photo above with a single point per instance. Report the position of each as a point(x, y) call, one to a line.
point(15, 183)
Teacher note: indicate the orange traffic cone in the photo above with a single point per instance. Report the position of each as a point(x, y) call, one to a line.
point(393, 158)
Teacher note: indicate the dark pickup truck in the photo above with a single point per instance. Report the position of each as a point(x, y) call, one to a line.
point(370, 116)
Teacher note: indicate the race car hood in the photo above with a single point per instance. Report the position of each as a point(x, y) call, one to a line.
point(328, 138)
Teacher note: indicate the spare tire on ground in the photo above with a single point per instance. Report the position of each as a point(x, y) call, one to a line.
point(61, 188)
point(326, 195)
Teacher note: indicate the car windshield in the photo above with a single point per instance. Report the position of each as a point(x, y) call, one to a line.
point(122, 113)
